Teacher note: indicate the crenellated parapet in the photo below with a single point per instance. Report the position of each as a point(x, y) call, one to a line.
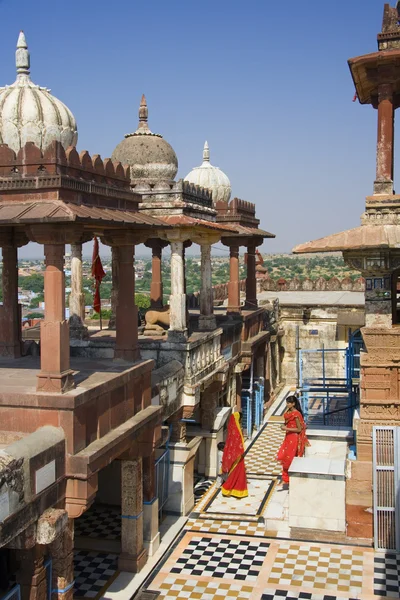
point(172, 191)
point(85, 179)
point(240, 211)
point(30, 162)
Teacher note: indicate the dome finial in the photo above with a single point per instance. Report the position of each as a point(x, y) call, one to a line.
point(143, 126)
point(206, 153)
point(22, 59)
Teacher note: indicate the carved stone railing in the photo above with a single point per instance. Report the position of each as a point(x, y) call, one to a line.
point(203, 356)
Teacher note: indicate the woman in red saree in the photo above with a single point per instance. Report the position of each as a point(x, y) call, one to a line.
point(233, 460)
point(295, 440)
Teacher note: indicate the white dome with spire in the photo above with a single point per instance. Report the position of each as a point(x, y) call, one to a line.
point(29, 113)
point(208, 176)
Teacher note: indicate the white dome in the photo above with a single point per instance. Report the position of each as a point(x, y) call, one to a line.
point(208, 176)
point(29, 113)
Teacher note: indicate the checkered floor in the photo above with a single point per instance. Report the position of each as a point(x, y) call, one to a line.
point(93, 571)
point(175, 587)
point(261, 457)
point(387, 575)
point(254, 529)
point(224, 558)
point(285, 595)
point(338, 569)
point(100, 521)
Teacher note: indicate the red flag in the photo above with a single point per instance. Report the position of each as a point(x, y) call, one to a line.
point(355, 97)
point(98, 274)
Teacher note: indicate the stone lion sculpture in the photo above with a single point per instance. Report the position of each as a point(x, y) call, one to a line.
point(157, 319)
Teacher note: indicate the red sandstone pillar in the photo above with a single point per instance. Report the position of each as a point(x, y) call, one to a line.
point(233, 285)
point(55, 373)
point(385, 146)
point(251, 281)
point(10, 317)
point(126, 342)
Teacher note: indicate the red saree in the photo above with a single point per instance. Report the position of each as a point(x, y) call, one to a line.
point(294, 443)
point(233, 461)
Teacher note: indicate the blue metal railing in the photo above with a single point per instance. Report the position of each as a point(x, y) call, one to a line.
point(48, 565)
point(162, 475)
point(253, 407)
point(13, 594)
point(331, 400)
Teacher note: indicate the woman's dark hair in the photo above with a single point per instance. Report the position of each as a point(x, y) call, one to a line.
point(294, 400)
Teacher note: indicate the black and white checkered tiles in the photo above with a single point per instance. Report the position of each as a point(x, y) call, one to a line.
point(387, 575)
point(100, 521)
point(92, 571)
point(224, 558)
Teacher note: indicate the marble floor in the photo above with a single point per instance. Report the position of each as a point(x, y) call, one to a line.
point(221, 556)
point(205, 566)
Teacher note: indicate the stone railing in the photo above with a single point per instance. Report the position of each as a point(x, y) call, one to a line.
point(203, 356)
point(267, 284)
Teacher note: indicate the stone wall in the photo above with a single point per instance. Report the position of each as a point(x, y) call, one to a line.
point(267, 284)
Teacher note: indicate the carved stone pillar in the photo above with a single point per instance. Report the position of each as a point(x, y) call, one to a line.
point(10, 315)
point(234, 282)
point(178, 326)
point(207, 321)
point(151, 535)
point(251, 280)
point(115, 285)
point(62, 554)
point(31, 574)
point(77, 297)
point(55, 373)
point(156, 287)
point(133, 554)
point(385, 145)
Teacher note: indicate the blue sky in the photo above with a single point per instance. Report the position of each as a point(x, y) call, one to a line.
point(265, 82)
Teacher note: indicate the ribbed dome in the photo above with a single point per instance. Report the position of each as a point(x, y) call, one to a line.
point(29, 113)
point(211, 177)
point(149, 156)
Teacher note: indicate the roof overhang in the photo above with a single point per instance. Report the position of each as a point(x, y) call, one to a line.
point(365, 237)
point(365, 73)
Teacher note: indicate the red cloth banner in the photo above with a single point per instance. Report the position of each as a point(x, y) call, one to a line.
point(98, 274)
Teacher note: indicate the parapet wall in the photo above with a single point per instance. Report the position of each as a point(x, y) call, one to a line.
point(267, 284)
point(32, 162)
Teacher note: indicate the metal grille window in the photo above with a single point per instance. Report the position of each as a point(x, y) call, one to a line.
point(386, 485)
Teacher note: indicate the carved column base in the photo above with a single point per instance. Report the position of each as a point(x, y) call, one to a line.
point(128, 354)
point(177, 336)
point(58, 383)
point(132, 564)
point(77, 330)
point(10, 350)
point(207, 323)
point(383, 187)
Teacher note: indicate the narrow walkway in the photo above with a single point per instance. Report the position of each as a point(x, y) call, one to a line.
point(226, 549)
